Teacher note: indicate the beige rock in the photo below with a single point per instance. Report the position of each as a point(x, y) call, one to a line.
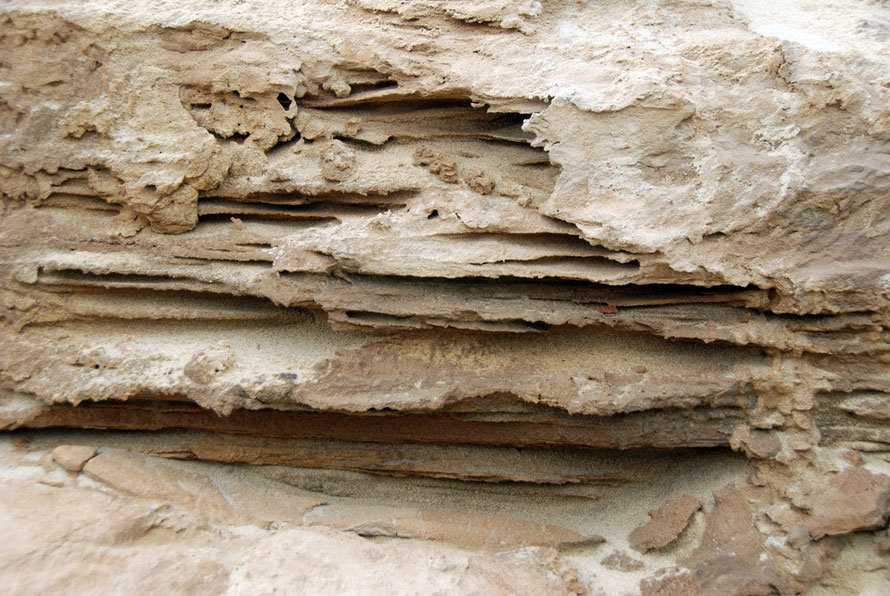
point(671, 582)
point(423, 156)
point(115, 543)
point(502, 250)
point(332, 561)
point(336, 162)
point(73, 457)
point(445, 167)
point(854, 500)
point(622, 562)
point(731, 557)
point(666, 525)
point(478, 181)
point(474, 531)
point(205, 365)
point(219, 499)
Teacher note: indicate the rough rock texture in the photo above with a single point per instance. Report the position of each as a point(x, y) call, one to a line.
point(667, 522)
point(445, 296)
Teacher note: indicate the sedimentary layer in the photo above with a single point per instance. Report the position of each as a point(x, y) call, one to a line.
point(590, 296)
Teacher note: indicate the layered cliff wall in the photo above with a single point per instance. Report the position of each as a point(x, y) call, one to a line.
point(531, 297)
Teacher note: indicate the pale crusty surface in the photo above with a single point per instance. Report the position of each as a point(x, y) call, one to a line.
point(500, 276)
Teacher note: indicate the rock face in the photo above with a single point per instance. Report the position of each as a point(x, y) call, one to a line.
point(445, 296)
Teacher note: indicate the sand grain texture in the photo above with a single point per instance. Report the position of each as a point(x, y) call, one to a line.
point(445, 297)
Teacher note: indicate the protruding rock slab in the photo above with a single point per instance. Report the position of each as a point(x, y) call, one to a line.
point(855, 500)
point(666, 524)
point(730, 558)
point(218, 498)
point(453, 244)
point(73, 457)
point(492, 533)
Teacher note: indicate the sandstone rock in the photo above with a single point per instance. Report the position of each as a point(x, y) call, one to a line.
point(332, 562)
point(730, 558)
point(622, 562)
point(671, 582)
point(203, 366)
point(445, 167)
point(336, 162)
point(514, 268)
point(474, 531)
point(218, 498)
point(115, 543)
point(73, 457)
point(666, 525)
point(854, 500)
point(478, 181)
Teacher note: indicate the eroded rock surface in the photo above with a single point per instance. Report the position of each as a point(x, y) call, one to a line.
point(667, 522)
point(477, 284)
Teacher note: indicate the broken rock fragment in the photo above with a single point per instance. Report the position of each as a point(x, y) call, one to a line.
point(337, 161)
point(445, 167)
point(478, 181)
point(73, 457)
point(666, 524)
point(854, 500)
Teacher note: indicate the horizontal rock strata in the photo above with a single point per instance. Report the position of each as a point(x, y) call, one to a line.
point(553, 297)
